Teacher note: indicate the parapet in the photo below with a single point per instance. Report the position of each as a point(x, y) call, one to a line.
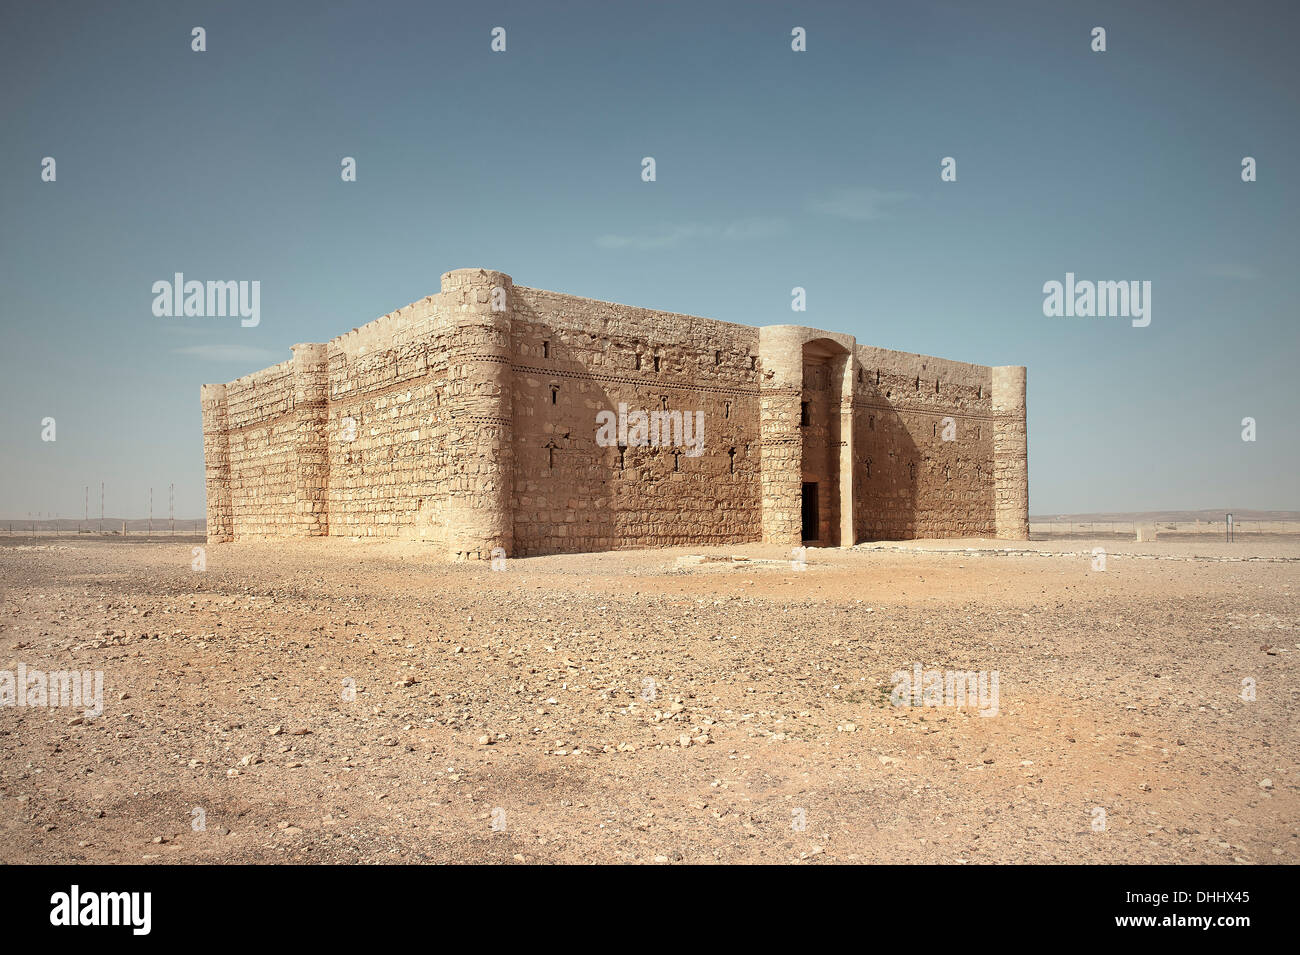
point(1009, 390)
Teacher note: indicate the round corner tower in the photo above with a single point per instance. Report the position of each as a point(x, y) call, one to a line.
point(1010, 453)
point(780, 348)
point(476, 303)
point(216, 463)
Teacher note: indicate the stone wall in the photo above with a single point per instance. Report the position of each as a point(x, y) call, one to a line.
point(389, 453)
point(261, 428)
point(469, 420)
point(910, 481)
point(575, 357)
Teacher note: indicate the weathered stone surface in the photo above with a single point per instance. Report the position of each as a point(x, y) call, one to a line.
point(468, 419)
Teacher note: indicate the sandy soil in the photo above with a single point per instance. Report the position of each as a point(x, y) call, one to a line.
point(504, 716)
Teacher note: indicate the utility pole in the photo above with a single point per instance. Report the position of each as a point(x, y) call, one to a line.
point(151, 510)
point(101, 507)
point(171, 507)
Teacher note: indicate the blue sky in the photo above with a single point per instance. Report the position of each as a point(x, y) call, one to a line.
point(775, 169)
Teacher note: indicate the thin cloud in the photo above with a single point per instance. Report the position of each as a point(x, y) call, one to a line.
point(859, 203)
point(742, 230)
point(245, 353)
point(758, 228)
point(656, 240)
point(1227, 270)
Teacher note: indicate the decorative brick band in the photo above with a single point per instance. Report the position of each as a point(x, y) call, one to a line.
point(740, 391)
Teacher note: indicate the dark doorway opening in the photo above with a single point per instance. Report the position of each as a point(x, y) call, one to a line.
point(810, 532)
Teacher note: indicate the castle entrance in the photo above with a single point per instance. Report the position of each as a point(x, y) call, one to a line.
point(822, 441)
point(811, 531)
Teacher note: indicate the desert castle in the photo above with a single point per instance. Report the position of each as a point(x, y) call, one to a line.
point(491, 415)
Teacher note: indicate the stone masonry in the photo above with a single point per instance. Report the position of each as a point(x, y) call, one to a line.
point(469, 420)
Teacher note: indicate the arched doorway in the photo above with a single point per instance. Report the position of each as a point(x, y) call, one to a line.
point(824, 433)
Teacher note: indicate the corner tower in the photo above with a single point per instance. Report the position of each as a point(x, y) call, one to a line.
point(216, 460)
point(1010, 453)
point(480, 514)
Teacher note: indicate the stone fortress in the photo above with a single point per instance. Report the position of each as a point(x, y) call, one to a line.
point(469, 420)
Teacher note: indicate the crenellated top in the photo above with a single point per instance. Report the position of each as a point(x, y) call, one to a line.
point(408, 322)
point(278, 370)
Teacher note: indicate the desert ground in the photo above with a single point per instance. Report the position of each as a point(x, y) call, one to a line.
point(349, 701)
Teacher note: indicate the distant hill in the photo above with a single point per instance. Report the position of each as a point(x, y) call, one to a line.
point(1208, 515)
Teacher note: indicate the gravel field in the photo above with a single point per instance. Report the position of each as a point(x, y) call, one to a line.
point(358, 701)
